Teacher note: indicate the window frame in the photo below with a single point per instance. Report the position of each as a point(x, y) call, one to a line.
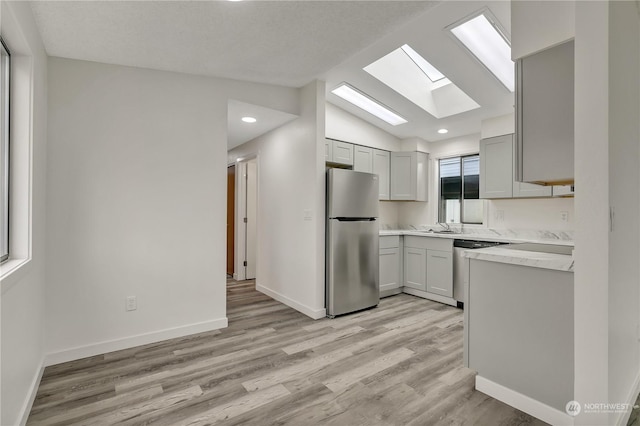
point(5, 153)
point(461, 157)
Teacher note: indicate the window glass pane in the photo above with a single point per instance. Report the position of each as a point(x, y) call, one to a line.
point(460, 190)
point(450, 190)
point(4, 152)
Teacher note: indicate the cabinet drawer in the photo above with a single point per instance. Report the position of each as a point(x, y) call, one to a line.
point(431, 243)
point(389, 241)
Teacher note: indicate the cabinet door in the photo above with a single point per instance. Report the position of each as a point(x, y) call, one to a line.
point(362, 159)
point(343, 153)
point(404, 175)
point(415, 268)
point(496, 167)
point(544, 115)
point(328, 150)
point(440, 272)
point(381, 168)
point(530, 190)
point(390, 268)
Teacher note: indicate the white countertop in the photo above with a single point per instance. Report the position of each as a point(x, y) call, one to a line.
point(505, 254)
point(534, 259)
point(478, 237)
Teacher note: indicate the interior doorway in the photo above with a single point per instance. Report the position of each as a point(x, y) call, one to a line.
point(246, 220)
point(231, 219)
point(251, 219)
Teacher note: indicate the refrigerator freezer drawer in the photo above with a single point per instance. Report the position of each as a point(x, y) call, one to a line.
point(352, 266)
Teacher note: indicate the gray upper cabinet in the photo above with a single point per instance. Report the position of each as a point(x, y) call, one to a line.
point(530, 190)
point(328, 150)
point(362, 159)
point(497, 161)
point(544, 116)
point(496, 167)
point(339, 152)
point(381, 164)
point(409, 176)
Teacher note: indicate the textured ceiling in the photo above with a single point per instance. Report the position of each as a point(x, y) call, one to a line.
point(279, 42)
point(287, 43)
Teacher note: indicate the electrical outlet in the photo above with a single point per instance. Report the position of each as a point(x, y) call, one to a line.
point(307, 215)
point(132, 303)
point(564, 216)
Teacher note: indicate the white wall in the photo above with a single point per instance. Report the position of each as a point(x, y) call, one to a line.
point(347, 127)
point(540, 24)
point(624, 166)
point(290, 181)
point(592, 207)
point(23, 291)
point(136, 179)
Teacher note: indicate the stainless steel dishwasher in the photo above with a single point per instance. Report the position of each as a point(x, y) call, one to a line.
point(461, 265)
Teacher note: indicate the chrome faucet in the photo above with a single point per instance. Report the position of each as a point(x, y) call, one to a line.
point(445, 226)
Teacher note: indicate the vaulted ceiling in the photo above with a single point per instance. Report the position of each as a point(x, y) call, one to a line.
point(286, 43)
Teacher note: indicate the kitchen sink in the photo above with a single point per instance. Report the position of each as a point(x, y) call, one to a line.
point(443, 231)
point(542, 248)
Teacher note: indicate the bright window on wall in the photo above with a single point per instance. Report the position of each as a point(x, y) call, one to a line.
point(460, 190)
point(5, 68)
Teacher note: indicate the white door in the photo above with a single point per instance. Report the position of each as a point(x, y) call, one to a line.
point(252, 211)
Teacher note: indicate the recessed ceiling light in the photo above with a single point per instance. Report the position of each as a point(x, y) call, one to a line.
point(443, 131)
point(484, 39)
point(249, 119)
point(361, 100)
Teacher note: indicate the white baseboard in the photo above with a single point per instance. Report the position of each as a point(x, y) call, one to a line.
point(623, 418)
point(31, 395)
point(132, 341)
point(430, 296)
point(310, 312)
point(523, 403)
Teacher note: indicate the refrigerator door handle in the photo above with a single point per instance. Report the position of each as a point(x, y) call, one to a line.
point(354, 219)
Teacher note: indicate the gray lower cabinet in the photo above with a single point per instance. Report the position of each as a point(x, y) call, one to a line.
point(428, 267)
point(519, 329)
point(440, 272)
point(415, 268)
point(390, 265)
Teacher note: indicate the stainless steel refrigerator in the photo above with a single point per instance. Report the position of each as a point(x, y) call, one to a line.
point(352, 272)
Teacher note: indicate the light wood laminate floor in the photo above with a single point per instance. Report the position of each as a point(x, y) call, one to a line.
point(397, 364)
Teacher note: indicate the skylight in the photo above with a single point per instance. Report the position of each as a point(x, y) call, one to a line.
point(361, 100)
point(411, 75)
point(489, 45)
point(431, 71)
